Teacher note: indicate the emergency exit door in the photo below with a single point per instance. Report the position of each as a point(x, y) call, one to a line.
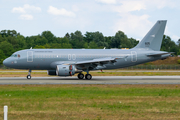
point(30, 56)
point(133, 56)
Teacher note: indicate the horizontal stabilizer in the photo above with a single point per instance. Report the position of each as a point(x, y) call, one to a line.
point(158, 54)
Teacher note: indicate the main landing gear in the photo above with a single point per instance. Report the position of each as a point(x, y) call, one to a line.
point(80, 76)
point(87, 76)
point(29, 75)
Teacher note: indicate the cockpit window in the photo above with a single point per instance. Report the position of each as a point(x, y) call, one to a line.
point(15, 55)
point(12, 55)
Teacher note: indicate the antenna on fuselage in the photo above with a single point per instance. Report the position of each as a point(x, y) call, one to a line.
point(31, 48)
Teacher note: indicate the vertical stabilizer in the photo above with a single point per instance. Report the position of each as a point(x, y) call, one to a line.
point(153, 38)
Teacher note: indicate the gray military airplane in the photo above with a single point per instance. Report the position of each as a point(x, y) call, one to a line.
point(67, 62)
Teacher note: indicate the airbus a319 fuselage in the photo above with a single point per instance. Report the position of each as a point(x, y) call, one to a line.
point(67, 62)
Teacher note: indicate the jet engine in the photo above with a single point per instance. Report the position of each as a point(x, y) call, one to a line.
point(51, 72)
point(65, 70)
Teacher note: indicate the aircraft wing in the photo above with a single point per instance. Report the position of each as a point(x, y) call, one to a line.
point(100, 60)
point(91, 64)
point(96, 61)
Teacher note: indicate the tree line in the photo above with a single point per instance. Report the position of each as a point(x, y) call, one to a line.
point(11, 41)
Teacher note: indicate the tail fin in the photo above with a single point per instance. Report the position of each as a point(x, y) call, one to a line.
point(153, 38)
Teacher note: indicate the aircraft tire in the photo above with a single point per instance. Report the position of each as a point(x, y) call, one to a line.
point(88, 76)
point(80, 76)
point(28, 77)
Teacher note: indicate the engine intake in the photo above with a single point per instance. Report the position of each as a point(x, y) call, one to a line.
point(65, 70)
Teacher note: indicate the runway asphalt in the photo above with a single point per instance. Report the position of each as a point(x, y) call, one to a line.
point(94, 80)
point(103, 71)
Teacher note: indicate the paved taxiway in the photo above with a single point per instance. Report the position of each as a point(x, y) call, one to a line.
point(94, 80)
point(99, 71)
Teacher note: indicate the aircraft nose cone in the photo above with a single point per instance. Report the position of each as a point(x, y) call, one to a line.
point(6, 62)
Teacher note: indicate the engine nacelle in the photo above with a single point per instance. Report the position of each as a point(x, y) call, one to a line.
point(65, 70)
point(51, 72)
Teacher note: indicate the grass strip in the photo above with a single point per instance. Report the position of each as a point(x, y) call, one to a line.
point(56, 102)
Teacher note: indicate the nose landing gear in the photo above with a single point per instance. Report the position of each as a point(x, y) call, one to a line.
point(29, 75)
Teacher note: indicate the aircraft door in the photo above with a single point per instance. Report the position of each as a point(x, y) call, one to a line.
point(73, 56)
point(133, 56)
point(30, 56)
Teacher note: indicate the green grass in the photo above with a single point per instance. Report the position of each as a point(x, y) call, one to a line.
point(56, 102)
